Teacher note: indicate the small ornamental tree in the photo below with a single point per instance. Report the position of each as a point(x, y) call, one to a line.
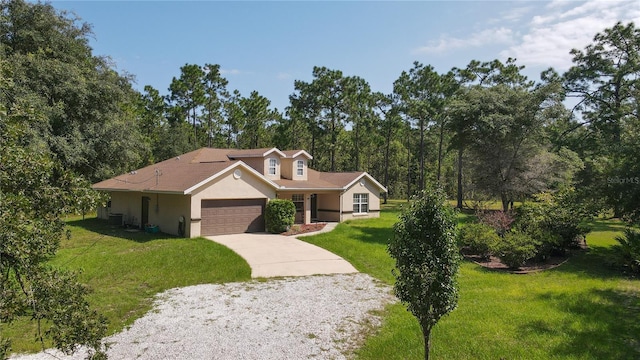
point(427, 260)
point(279, 215)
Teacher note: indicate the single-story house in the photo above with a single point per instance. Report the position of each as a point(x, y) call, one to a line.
point(224, 191)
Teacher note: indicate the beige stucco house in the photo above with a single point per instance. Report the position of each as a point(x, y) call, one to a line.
point(224, 191)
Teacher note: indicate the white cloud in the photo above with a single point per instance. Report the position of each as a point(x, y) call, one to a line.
point(284, 76)
point(548, 38)
point(515, 14)
point(230, 72)
point(501, 35)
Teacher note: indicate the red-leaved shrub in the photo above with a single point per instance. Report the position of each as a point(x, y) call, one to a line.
point(499, 220)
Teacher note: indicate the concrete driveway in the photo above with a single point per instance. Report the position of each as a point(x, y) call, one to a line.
point(272, 255)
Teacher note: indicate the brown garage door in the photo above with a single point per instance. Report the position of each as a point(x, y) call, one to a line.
point(221, 217)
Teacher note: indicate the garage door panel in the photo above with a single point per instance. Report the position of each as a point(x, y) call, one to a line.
point(232, 216)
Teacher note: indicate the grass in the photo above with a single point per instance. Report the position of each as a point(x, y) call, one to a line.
point(127, 269)
point(581, 310)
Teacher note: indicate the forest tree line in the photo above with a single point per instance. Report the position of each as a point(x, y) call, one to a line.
point(484, 131)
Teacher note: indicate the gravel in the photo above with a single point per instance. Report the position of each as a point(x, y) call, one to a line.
point(319, 317)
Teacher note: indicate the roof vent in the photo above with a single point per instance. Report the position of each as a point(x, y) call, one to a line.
point(178, 158)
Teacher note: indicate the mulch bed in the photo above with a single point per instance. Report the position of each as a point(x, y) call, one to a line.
point(304, 228)
point(493, 263)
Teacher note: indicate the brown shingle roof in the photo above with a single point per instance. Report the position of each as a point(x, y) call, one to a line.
point(182, 173)
point(294, 153)
point(174, 175)
point(321, 180)
point(210, 155)
point(252, 152)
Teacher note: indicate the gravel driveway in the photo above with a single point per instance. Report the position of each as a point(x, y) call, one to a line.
point(319, 317)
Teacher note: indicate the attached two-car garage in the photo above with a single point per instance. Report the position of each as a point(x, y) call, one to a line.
point(220, 217)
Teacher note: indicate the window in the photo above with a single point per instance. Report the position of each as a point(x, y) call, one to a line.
point(360, 203)
point(300, 168)
point(298, 201)
point(272, 166)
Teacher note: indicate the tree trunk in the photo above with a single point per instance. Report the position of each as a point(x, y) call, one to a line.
point(195, 130)
point(421, 185)
point(313, 148)
point(334, 138)
point(440, 141)
point(386, 163)
point(505, 202)
point(294, 135)
point(356, 130)
point(209, 132)
point(459, 195)
point(426, 334)
point(408, 169)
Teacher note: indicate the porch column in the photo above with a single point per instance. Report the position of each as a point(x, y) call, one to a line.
point(307, 208)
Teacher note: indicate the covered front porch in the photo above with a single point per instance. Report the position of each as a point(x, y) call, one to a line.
point(314, 206)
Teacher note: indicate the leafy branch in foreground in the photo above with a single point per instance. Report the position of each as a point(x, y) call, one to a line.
point(35, 192)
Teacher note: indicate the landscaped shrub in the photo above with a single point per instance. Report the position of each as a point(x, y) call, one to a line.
point(629, 249)
point(568, 226)
point(530, 216)
point(557, 221)
point(515, 248)
point(548, 243)
point(479, 239)
point(499, 220)
point(279, 215)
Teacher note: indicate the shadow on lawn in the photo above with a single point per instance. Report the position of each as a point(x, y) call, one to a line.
point(602, 324)
point(597, 262)
point(607, 225)
point(374, 235)
point(102, 227)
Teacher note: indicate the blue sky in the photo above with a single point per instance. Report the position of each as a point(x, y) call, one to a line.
point(266, 45)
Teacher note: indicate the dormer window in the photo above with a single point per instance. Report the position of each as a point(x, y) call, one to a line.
point(300, 167)
point(272, 166)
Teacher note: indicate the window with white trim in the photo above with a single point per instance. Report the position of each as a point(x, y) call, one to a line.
point(360, 203)
point(272, 166)
point(300, 168)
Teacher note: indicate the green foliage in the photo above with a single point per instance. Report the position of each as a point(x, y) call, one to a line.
point(480, 239)
point(427, 259)
point(255, 111)
point(629, 249)
point(86, 109)
point(31, 233)
point(62, 301)
point(515, 248)
point(279, 215)
point(127, 269)
point(199, 97)
point(35, 191)
point(509, 154)
point(557, 221)
point(423, 95)
point(582, 310)
point(604, 77)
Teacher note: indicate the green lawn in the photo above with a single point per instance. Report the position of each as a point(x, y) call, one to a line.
point(126, 269)
point(581, 310)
